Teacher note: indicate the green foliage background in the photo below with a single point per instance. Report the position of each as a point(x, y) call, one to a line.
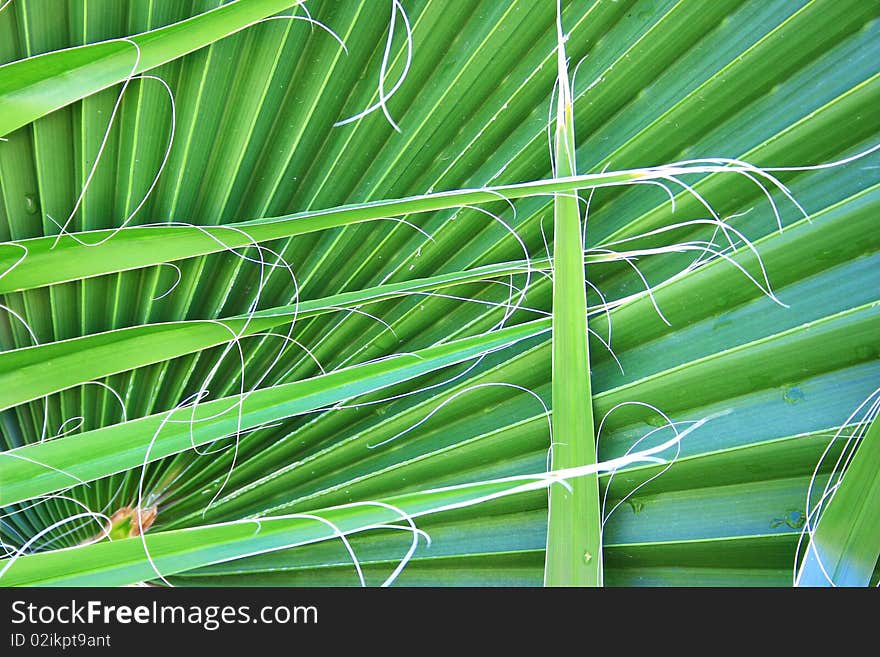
point(777, 84)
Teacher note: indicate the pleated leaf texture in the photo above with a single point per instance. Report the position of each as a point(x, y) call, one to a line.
point(279, 311)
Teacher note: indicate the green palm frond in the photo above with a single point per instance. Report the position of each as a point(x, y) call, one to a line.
point(293, 300)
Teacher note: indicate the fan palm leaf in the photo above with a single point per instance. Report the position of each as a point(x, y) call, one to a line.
point(290, 303)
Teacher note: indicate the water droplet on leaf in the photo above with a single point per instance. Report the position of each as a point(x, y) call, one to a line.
point(792, 395)
point(31, 204)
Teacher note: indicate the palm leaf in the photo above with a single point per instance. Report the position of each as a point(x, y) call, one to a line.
point(770, 333)
point(36, 86)
point(574, 517)
point(844, 539)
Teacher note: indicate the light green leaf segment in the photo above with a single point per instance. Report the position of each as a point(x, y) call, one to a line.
point(91, 455)
point(305, 345)
point(844, 539)
point(33, 87)
point(574, 533)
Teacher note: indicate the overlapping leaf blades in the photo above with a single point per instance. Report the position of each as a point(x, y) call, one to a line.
point(775, 84)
